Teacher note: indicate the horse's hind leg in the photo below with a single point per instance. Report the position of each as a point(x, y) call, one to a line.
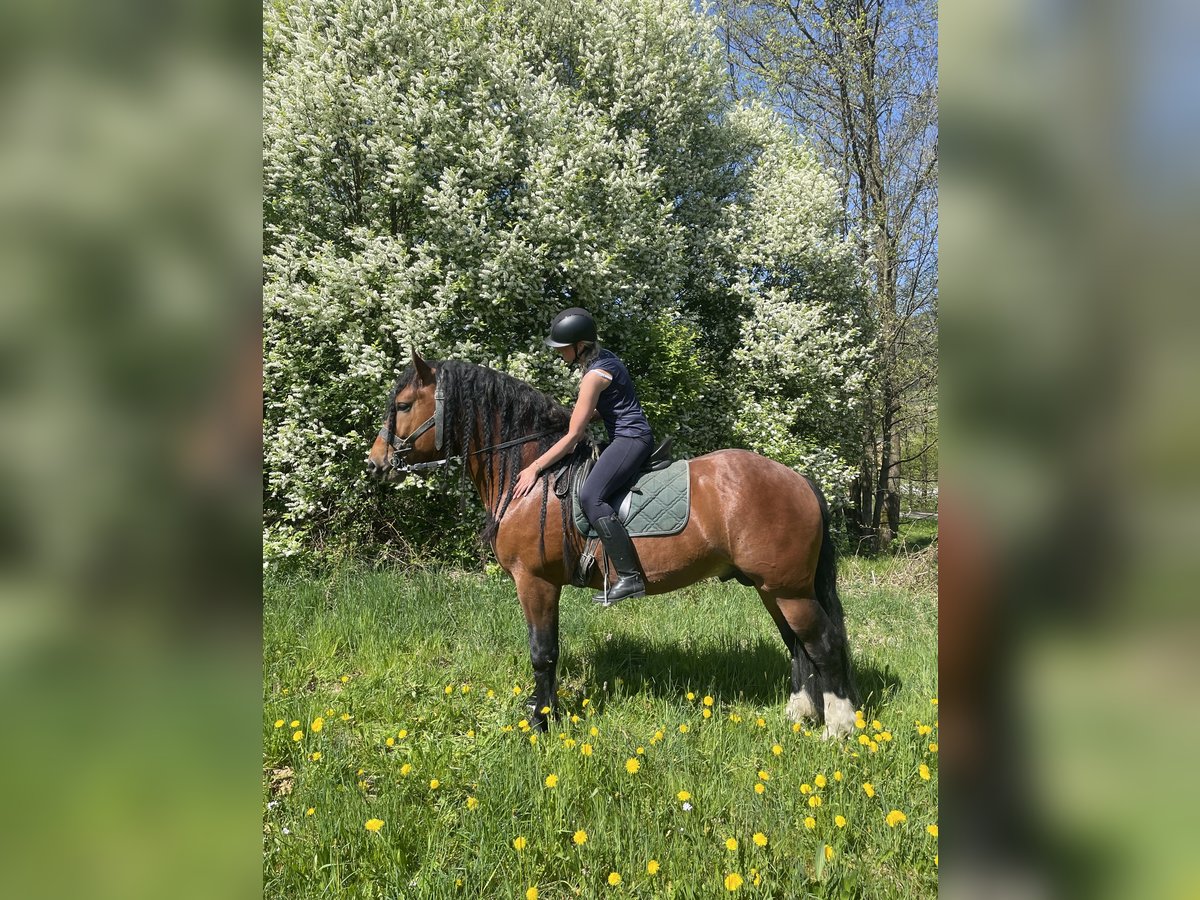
point(805, 686)
point(827, 650)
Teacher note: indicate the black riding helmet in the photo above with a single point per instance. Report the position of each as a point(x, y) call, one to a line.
point(571, 326)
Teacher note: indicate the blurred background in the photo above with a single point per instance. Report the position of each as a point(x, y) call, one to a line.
point(130, 489)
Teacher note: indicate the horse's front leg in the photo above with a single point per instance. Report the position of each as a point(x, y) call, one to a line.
point(539, 600)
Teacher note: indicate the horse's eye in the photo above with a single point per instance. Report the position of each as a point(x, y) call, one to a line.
point(403, 407)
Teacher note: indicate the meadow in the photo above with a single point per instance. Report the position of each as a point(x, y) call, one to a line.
point(398, 759)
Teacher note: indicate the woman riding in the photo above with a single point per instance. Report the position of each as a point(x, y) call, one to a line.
point(606, 387)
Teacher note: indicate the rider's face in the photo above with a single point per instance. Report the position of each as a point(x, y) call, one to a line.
point(568, 353)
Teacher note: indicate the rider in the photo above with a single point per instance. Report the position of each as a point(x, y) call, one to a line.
point(607, 387)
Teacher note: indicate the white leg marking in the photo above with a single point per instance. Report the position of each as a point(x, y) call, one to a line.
point(839, 716)
point(801, 706)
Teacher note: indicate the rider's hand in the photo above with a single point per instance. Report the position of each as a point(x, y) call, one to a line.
point(525, 482)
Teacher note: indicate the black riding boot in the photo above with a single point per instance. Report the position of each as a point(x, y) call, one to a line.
point(619, 548)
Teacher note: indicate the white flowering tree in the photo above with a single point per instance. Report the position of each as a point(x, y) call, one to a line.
point(447, 175)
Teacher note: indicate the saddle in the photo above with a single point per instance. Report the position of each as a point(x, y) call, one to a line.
point(656, 505)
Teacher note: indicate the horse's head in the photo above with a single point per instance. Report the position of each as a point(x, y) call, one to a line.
point(412, 426)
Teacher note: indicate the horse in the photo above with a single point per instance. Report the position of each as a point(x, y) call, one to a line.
point(751, 518)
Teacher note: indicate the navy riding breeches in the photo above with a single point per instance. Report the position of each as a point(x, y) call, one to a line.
point(613, 474)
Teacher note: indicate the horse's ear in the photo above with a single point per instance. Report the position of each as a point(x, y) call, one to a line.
point(424, 373)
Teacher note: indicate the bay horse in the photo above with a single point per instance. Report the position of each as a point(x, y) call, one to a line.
point(751, 518)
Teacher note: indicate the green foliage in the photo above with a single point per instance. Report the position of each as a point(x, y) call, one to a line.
point(447, 175)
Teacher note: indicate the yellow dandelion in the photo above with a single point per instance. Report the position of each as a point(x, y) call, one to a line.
point(733, 881)
point(923, 730)
point(545, 710)
point(466, 689)
point(580, 837)
point(864, 740)
point(935, 859)
point(652, 867)
point(869, 789)
point(472, 803)
point(923, 772)
point(885, 735)
point(683, 796)
point(734, 718)
point(933, 701)
point(531, 894)
point(760, 722)
point(691, 696)
point(586, 702)
point(551, 780)
point(519, 844)
point(708, 701)
point(658, 736)
point(533, 739)
point(764, 775)
point(810, 823)
point(837, 776)
point(933, 748)
point(877, 725)
point(523, 724)
point(632, 765)
point(315, 755)
point(471, 733)
point(839, 821)
point(594, 731)
point(373, 824)
point(760, 839)
point(406, 769)
point(932, 829)
point(731, 844)
point(777, 750)
point(795, 728)
point(806, 788)
point(317, 724)
point(360, 771)
point(873, 746)
point(759, 787)
point(434, 784)
point(894, 818)
point(820, 781)
point(829, 854)
point(707, 714)
point(345, 717)
point(491, 695)
point(814, 801)
point(279, 723)
point(295, 723)
point(391, 742)
point(516, 690)
point(683, 729)
point(614, 878)
point(640, 751)
point(298, 736)
point(313, 809)
point(569, 743)
point(586, 749)
point(345, 679)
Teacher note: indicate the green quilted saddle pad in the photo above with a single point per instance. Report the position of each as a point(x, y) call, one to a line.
point(657, 506)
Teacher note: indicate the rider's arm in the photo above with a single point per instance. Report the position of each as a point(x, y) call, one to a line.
point(585, 405)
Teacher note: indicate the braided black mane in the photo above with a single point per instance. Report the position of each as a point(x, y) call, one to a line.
point(485, 407)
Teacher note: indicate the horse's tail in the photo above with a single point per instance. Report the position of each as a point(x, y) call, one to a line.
point(827, 592)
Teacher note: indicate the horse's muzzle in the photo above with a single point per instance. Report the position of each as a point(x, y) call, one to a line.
point(385, 471)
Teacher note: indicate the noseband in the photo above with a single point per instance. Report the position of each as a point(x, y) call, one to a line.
point(402, 446)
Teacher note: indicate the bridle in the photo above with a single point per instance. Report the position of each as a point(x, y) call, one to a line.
point(402, 446)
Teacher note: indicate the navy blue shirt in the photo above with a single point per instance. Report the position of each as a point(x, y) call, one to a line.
point(618, 403)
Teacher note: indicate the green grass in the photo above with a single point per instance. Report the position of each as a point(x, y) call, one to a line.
point(439, 655)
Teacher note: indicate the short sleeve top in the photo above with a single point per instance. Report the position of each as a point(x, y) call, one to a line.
point(618, 403)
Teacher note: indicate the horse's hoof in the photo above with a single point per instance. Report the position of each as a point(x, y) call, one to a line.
point(801, 707)
point(839, 717)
